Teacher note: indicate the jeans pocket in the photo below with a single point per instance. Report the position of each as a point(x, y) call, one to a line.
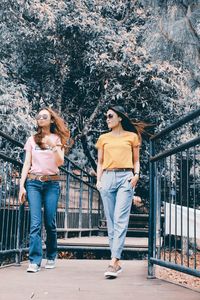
point(130, 185)
point(56, 186)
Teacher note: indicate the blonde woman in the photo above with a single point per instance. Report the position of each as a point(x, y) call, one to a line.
point(40, 182)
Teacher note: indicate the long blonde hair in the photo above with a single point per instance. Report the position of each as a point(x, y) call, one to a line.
point(58, 127)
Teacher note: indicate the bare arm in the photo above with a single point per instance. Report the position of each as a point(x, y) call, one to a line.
point(136, 159)
point(58, 152)
point(25, 170)
point(136, 164)
point(99, 167)
point(58, 155)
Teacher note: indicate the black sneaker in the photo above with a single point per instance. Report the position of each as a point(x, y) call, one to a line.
point(111, 272)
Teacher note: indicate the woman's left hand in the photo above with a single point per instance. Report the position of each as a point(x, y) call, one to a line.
point(46, 140)
point(134, 180)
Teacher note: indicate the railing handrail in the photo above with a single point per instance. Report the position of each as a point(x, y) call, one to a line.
point(173, 180)
point(9, 159)
point(180, 148)
point(14, 141)
point(79, 200)
point(77, 167)
point(21, 145)
point(177, 124)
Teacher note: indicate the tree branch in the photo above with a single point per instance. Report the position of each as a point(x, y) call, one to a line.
point(129, 5)
point(87, 152)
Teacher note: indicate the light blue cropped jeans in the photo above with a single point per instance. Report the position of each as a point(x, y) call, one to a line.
point(117, 195)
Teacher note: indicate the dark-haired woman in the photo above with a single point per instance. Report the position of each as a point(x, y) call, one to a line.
point(40, 181)
point(117, 175)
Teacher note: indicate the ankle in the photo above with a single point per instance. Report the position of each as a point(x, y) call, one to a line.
point(118, 262)
point(114, 261)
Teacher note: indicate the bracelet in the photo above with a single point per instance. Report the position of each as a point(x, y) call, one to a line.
point(136, 173)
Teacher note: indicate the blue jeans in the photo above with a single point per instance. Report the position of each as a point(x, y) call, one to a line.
point(47, 194)
point(117, 194)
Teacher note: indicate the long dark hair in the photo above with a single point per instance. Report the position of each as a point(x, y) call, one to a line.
point(58, 127)
point(130, 125)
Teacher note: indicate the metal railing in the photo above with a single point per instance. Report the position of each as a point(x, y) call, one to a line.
point(79, 206)
point(174, 220)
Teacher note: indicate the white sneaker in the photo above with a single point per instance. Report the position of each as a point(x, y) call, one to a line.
point(33, 268)
point(50, 264)
point(119, 269)
point(111, 272)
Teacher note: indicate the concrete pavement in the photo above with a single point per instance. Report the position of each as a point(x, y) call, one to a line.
point(83, 279)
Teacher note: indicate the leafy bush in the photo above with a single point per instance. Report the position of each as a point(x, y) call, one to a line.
point(80, 56)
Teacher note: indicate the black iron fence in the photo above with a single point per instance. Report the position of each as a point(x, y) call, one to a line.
point(174, 221)
point(79, 207)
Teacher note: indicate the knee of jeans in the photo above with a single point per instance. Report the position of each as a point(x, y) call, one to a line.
point(120, 225)
point(110, 231)
point(50, 225)
point(35, 227)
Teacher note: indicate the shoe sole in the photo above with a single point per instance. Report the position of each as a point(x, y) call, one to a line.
point(33, 271)
point(49, 267)
point(110, 275)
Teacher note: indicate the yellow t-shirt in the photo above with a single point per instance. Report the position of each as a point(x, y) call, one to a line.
point(118, 150)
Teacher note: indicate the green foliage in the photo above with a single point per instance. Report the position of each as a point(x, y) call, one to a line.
point(79, 56)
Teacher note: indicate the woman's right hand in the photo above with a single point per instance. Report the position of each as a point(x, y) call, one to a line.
point(22, 195)
point(99, 185)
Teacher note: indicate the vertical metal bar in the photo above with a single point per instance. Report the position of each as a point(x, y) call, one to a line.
point(161, 207)
point(74, 205)
point(19, 234)
point(13, 195)
point(24, 226)
point(165, 212)
point(6, 211)
point(80, 204)
point(181, 203)
point(155, 199)
point(170, 207)
point(16, 208)
point(67, 192)
point(175, 199)
point(3, 208)
point(90, 204)
point(194, 207)
point(158, 209)
point(188, 212)
point(151, 213)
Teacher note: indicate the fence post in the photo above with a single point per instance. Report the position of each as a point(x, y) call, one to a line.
point(67, 197)
point(152, 215)
point(90, 203)
point(80, 204)
point(18, 244)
